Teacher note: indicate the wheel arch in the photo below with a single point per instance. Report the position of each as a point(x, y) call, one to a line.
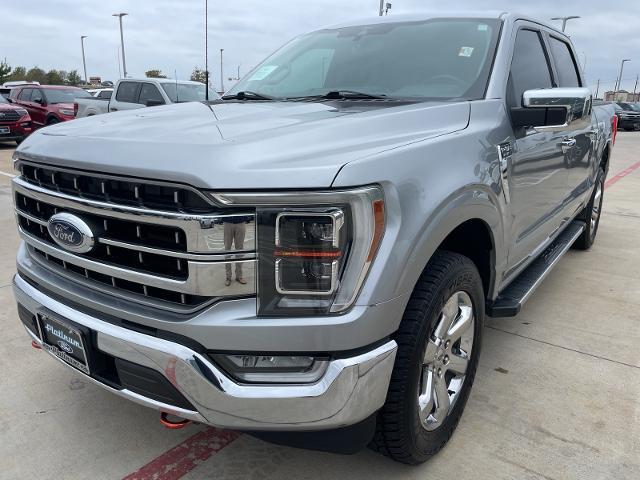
point(471, 224)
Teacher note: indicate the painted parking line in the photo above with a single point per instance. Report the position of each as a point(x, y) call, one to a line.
point(181, 459)
point(10, 175)
point(621, 175)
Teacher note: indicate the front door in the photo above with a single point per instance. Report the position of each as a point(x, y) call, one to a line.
point(537, 174)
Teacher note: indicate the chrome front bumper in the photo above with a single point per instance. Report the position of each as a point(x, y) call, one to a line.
point(351, 389)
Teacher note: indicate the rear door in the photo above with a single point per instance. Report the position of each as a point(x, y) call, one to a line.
point(579, 150)
point(537, 175)
point(126, 96)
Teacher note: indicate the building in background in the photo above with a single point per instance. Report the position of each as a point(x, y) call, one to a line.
point(621, 96)
point(95, 80)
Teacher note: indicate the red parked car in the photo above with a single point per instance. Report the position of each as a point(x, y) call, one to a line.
point(47, 104)
point(15, 122)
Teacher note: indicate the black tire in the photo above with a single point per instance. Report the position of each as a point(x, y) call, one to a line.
point(52, 121)
point(399, 433)
point(588, 236)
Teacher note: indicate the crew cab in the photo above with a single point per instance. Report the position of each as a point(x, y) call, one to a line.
point(15, 122)
point(47, 104)
point(138, 93)
point(311, 258)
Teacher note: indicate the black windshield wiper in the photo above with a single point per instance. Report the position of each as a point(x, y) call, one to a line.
point(247, 95)
point(341, 95)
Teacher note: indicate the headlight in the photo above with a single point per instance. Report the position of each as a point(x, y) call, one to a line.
point(66, 111)
point(21, 111)
point(314, 249)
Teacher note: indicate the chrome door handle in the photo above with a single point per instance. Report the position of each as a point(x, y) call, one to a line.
point(568, 144)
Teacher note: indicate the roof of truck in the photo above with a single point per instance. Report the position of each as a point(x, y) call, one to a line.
point(162, 80)
point(426, 15)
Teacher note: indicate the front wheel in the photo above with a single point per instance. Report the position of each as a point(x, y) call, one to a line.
point(53, 121)
point(438, 349)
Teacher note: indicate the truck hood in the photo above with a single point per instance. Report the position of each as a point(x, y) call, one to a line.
point(241, 145)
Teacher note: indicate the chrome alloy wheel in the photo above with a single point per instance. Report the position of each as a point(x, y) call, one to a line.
point(595, 209)
point(445, 361)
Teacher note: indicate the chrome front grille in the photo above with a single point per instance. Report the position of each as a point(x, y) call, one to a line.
point(172, 258)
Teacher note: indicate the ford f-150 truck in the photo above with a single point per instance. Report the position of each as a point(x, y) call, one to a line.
point(311, 258)
point(130, 94)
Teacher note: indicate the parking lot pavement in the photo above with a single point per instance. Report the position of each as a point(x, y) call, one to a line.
point(556, 396)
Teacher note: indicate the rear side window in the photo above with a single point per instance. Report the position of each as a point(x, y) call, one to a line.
point(127, 92)
point(25, 94)
point(529, 67)
point(565, 64)
point(104, 94)
point(149, 92)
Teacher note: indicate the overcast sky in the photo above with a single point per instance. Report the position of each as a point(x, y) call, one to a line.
point(169, 34)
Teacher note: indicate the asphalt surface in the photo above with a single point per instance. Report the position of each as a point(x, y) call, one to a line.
point(556, 396)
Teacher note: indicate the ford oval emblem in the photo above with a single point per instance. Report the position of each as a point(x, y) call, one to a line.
point(71, 232)
point(65, 346)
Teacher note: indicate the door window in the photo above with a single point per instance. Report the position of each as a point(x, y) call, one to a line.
point(565, 64)
point(127, 92)
point(529, 67)
point(36, 96)
point(25, 94)
point(149, 92)
point(105, 94)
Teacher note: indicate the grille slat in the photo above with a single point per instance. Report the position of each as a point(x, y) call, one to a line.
point(118, 191)
point(146, 244)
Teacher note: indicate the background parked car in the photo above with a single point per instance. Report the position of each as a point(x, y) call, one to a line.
point(101, 93)
point(15, 122)
point(133, 93)
point(47, 104)
point(628, 116)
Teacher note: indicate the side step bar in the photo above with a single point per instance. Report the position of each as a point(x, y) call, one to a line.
point(510, 301)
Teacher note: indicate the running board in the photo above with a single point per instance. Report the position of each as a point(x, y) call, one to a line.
point(510, 301)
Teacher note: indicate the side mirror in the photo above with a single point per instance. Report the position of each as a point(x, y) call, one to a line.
point(552, 108)
point(153, 103)
point(39, 101)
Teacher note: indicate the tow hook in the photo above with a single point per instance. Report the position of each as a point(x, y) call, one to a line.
point(164, 420)
point(35, 345)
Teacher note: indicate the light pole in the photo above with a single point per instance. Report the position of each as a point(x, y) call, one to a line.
point(381, 11)
point(124, 63)
point(565, 19)
point(618, 83)
point(206, 49)
point(221, 74)
point(84, 63)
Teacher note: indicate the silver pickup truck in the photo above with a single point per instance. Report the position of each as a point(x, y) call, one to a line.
point(311, 258)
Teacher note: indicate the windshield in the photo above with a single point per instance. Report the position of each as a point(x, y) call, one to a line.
point(626, 106)
point(187, 92)
point(65, 95)
point(433, 59)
